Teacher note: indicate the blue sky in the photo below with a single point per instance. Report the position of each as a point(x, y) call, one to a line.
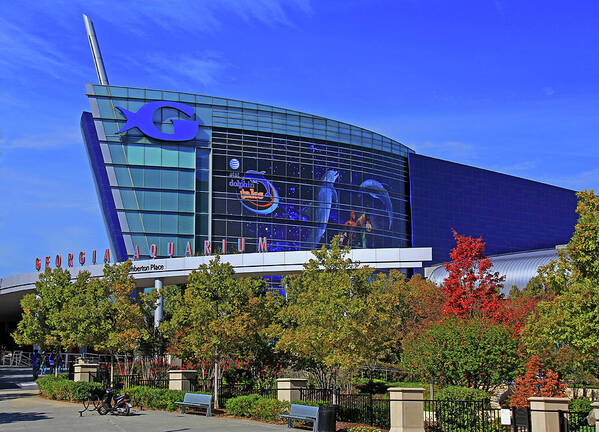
point(505, 85)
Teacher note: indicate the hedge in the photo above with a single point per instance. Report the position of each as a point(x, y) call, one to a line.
point(256, 407)
point(60, 388)
point(156, 398)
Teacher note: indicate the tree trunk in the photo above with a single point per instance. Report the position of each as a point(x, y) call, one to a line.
point(111, 370)
point(216, 385)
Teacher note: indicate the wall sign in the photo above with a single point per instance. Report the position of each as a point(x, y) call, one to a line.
point(143, 119)
point(256, 193)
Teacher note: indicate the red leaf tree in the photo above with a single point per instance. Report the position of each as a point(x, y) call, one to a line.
point(471, 287)
point(537, 381)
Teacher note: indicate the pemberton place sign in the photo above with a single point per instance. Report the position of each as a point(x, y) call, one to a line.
point(46, 262)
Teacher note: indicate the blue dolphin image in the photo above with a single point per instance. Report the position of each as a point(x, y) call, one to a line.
point(378, 191)
point(143, 119)
point(325, 195)
point(271, 192)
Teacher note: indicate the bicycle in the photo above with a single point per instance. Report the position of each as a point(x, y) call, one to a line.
point(92, 403)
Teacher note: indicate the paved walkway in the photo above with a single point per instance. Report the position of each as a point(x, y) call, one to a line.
point(22, 410)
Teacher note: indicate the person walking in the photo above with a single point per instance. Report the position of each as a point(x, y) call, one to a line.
point(35, 364)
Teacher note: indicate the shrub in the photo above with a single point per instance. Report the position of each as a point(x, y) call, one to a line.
point(458, 393)
point(362, 429)
point(461, 408)
point(242, 405)
point(156, 398)
point(581, 405)
point(256, 407)
point(60, 388)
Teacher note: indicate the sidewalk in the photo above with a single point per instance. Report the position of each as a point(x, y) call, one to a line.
point(23, 410)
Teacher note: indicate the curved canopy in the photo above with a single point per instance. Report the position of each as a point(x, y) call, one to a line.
point(519, 268)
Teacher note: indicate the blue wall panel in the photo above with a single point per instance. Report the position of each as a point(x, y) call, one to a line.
point(510, 213)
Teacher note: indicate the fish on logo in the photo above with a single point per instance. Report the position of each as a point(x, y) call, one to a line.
point(143, 119)
point(271, 193)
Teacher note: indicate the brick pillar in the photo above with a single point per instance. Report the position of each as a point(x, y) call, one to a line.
point(181, 379)
point(407, 409)
point(595, 415)
point(288, 388)
point(544, 413)
point(84, 372)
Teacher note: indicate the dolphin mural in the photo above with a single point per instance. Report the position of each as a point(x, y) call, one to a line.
point(378, 191)
point(325, 195)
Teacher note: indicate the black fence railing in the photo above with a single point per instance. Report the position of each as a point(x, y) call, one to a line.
point(318, 395)
point(575, 421)
point(471, 416)
point(364, 409)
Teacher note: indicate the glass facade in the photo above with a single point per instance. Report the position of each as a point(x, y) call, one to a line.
point(250, 171)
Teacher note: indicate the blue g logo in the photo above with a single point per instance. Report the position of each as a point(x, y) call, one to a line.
point(143, 119)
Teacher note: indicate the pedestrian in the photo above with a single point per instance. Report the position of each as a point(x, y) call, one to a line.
point(35, 364)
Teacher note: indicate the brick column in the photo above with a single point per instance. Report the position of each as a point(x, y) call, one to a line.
point(181, 379)
point(84, 372)
point(407, 409)
point(288, 388)
point(544, 413)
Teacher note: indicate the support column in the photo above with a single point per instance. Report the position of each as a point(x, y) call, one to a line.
point(85, 372)
point(544, 413)
point(594, 416)
point(407, 409)
point(158, 310)
point(182, 379)
point(288, 389)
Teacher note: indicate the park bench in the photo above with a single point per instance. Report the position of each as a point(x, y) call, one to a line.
point(194, 400)
point(302, 412)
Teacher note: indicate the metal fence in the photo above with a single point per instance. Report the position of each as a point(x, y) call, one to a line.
point(471, 416)
point(364, 409)
point(318, 395)
point(575, 421)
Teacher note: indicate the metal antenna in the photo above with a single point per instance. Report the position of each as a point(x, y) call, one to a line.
point(93, 43)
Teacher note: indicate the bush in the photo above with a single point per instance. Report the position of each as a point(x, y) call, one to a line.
point(256, 407)
point(156, 398)
point(363, 429)
point(581, 405)
point(462, 408)
point(60, 388)
point(458, 393)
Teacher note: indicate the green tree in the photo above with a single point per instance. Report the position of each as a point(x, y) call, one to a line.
point(563, 331)
point(42, 322)
point(337, 316)
point(472, 352)
point(217, 317)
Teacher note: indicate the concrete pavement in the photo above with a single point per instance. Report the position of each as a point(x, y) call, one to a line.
point(21, 409)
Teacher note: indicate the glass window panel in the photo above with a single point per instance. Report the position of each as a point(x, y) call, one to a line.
point(186, 157)
point(137, 174)
point(169, 201)
point(186, 180)
point(137, 93)
point(151, 200)
point(202, 180)
point(186, 202)
point(153, 94)
point(135, 154)
point(151, 178)
point(134, 221)
point(169, 223)
point(140, 240)
point(204, 115)
point(202, 224)
point(151, 222)
point(203, 159)
point(118, 91)
point(153, 155)
point(169, 179)
point(185, 224)
point(122, 176)
point(100, 90)
point(170, 156)
point(105, 106)
point(116, 153)
point(128, 198)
